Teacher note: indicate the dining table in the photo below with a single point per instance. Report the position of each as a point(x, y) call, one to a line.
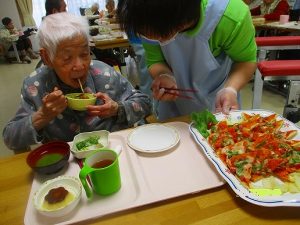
point(121, 42)
point(215, 206)
point(274, 25)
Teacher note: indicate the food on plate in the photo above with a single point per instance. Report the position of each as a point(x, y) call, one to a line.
point(91, 142)
point(56, 195)
point(104, 30)
point(254, 149)
point(82, 96)
point(57, 198)
point(203, 121)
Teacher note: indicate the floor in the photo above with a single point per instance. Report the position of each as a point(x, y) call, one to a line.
point(11, 77)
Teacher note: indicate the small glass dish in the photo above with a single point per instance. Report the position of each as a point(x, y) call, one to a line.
point(101, 142)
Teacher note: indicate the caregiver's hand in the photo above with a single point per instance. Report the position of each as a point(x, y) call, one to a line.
point(160, 83)
point(226, 100)
point(108, 109)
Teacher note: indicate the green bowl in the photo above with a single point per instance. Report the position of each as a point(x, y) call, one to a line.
point(77, 102)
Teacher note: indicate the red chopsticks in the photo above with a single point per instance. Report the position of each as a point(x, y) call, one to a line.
point(167, 91)
point(179, 95)
point(180, 89)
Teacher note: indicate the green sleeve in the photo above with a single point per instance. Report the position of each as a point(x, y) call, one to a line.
point(236, 34)
point(153, 54)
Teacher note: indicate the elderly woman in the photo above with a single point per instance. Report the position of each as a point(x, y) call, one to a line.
point(271, 9)
point(94, 10)
point(43, 114)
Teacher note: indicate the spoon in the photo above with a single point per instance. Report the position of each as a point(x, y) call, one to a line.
point(80, 85)
point(118, 149)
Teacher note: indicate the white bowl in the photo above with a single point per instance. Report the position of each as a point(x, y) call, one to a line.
point(71, 184)
point(103, 140)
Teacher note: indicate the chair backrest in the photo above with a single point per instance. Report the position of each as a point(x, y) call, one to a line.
point(82, 11)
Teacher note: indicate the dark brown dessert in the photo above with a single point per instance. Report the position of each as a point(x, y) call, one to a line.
point(56, 195)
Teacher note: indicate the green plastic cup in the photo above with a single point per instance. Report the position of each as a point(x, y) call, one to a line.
point(103, 169)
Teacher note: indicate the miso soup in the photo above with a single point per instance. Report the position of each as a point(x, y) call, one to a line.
point(49, 159)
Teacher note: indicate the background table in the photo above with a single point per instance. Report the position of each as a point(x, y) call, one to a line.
point(121, 43)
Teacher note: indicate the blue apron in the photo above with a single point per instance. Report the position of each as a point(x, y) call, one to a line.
point(194, 66)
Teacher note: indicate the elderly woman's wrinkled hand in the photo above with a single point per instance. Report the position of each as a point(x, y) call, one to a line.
point(54, 103)
point(108, 109)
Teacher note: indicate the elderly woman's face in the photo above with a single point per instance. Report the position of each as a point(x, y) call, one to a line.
point(72, 61)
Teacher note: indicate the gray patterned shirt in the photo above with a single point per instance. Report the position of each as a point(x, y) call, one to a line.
point(19, 133)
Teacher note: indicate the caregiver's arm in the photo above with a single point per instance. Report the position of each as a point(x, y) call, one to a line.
point(161, 73)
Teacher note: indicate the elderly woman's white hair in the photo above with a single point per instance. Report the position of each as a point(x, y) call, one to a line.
point(59, 27)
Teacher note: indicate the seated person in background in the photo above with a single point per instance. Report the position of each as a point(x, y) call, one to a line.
point(271, 9)
point(55, 6)
point(110, 9)
point(43, 114)
point(9, 33)
point(94, 10)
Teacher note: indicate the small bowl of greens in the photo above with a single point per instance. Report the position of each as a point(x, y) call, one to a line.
point(88, 142)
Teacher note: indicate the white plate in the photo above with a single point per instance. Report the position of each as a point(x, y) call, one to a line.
point(286, 199)
point(153, 138)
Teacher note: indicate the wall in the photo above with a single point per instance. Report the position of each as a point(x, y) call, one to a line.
point(9, 8)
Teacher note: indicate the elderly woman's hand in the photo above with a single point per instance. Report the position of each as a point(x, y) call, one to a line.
point(53, 104)
point(108, 109)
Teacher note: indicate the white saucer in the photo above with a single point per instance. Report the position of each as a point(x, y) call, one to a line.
point(153, 138)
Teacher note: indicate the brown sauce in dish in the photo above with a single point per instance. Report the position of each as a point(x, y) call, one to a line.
point(82, 96)
point(56, 195)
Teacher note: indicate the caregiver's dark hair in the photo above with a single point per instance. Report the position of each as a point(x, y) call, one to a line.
point(158, 17)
